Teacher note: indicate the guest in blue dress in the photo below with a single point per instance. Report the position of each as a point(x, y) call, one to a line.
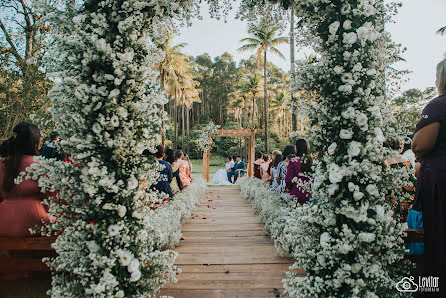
point(165, 176)
point(429, 146)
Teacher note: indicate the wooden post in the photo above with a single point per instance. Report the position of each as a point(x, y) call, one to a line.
point(251, 154)
point(206, 155)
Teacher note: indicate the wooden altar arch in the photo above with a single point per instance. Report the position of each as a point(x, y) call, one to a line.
point(250, 133)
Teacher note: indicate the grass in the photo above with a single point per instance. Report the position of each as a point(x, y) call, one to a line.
point(216, 163)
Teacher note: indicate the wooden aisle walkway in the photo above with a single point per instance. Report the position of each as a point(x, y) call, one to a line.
point(225, 252)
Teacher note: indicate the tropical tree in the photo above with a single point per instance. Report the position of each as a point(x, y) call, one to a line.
point(172, 64)
point(263, 38)
point(279, 108)
point(442, 30)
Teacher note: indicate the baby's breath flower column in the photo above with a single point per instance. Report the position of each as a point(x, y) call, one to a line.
point(106, 102)
point(350, 244)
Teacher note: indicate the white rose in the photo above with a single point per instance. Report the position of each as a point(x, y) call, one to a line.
point(357, 195)
point(346, 134)
point(100, 288)
point(367, 237)
point(372, 190)
point(324, 239)
point(122, 112)
point(135, 276)
point(333, 28)
point(361, 119)
point(347, 25)
point(321, 260)
point(338, 69)
point(369, 10)
point(354, 148)
point(335, 173)
point(125, 257)
point(349, 113)
point(350, 38)
point(371, 72)
point(363, 33)
point(331, 149)
point(132, 183)
point(114, 93)
point(346, 8)
point(92, 246)
point(379, 134)
point(120, 294)
point(379, 211)
point(347, 77)
point(351, 186)
point(122, 210)
point(97, 128)
point(345, 249)
point(133, 266)
point(332, 188)
point(356, 268)
point(113, 230)
point(114, 121)
point(345, 88)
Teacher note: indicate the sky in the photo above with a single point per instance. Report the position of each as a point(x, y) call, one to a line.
point(414, 28)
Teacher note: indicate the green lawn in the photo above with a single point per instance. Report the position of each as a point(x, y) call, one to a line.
point(216, 162)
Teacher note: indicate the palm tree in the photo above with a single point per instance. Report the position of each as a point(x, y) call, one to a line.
point(252, 86)
point(171, 65)
point(279, 106)
point(263, 39)
point(442, 30)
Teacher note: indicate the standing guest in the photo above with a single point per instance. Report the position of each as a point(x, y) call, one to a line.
point(237, 170)
point(176, 184)
point(20, 205)
point(297, 171)
point(183, 167)
point(288, 153)
point(50, 149)
point(257, 164)
point(264, 166)
point(166, 175)
point(271, 164)
point(275, 183)
point(429, 146)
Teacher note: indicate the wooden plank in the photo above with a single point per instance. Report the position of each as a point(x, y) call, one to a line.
point(241, 249)
point(222, 234)
point(239, 293)
point(223, 284)
point(185, 259)
point(277, 268)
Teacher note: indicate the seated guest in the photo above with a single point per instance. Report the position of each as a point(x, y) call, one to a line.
point(189, 166)
point(271, 164)
point(237, 170)
point(257, 163)
point(264, 166)
point(50, 149)
point(176, 184)
point(183, 167)
point(275, 170)
point(20, 205)
point(297, 170)
point(165, 176)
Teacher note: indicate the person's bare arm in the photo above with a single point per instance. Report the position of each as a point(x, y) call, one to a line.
point(425, 139)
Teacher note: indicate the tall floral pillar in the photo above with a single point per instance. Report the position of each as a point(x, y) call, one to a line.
point(106, 100)
point(351, 241)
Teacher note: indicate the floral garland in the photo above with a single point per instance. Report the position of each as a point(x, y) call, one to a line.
point(205, 141)
point(106, 105)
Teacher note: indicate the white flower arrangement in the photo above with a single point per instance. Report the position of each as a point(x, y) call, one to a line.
point(205, 141)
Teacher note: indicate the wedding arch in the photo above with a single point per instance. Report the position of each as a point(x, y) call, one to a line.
point(250, 133)
point(106, 104)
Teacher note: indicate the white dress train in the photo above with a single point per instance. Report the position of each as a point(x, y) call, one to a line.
point(221, 176)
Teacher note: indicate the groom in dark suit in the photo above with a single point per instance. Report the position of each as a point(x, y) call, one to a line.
point(237, 169)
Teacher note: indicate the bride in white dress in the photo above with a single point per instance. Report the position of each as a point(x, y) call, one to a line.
point(221, 176)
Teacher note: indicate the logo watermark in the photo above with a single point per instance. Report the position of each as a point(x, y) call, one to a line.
point(424, 284)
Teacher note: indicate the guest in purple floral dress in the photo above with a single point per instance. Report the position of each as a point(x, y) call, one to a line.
point(429, 146)
point(297, 169)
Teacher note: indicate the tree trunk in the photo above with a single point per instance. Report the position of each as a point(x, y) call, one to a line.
point(293, 71)
point(183, 125)
point(187, 129)
point(175, 121)
point(265, 103)
point(253, 112)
